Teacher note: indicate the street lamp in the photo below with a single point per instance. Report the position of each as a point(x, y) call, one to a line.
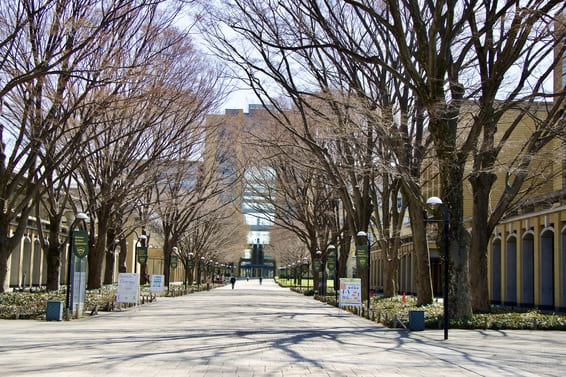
point(306, 261)
point(200, 270)
point(78, 217)
point(317, 269)
point(333, 257)
point(436, 203)
point(190, 267)
point(173, 252)
point(359, 258)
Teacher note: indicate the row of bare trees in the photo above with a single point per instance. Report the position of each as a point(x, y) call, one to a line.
point(376, 92)
point(102, 111)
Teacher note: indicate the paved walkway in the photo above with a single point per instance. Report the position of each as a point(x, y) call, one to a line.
point(264, 330)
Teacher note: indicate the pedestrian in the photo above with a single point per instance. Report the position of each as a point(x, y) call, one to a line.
point(233, 281)
point(260, 279)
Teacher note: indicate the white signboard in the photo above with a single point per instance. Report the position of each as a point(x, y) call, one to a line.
point(350, 292)
point(128, 288)
point(157, 283)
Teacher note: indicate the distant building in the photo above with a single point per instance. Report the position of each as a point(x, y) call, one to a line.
point(230, 150)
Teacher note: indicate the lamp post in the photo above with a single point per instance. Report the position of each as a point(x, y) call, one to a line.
point(190, 267)
point(436, 203)
point(200, 270)
point(361, 261)
point(169, 270)
point(332, 260)
point(78, 217)
point(317, 269)
point(294, 275)
point(306, 261)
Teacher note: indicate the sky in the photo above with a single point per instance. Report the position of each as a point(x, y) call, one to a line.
point(240, 99)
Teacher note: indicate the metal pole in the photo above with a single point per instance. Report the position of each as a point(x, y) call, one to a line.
point(368, 277)
point(337, 278)
point(136, 257)
point(446, 269)
point(69, 266)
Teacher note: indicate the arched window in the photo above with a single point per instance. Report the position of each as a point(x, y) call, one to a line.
point(547, 269)
point(26, 263)
point(511, 271)
point(496, 271)
point(528, 271)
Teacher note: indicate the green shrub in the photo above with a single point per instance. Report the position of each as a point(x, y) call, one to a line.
point(385, 310)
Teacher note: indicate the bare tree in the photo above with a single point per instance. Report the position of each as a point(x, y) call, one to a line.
point(448, 54)
point(159, 105)
point(44, 50)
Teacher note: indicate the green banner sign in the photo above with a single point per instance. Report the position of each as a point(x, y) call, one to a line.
point(331, 263)
point(80, 243)
point(305, 269)
point(316, 265)
point(174, 261)
point(362, 256)
point(201, 267)
point(142, 255)
point(190, 264)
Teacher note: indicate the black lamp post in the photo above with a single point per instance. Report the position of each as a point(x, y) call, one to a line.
point(306, 261)
point(318, 255)
point(190, 269)
point(331, 253)
point(78, 217)
point(435, 202)
point(200, 270)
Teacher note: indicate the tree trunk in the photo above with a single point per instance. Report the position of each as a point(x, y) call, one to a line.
point(144, 277)
point(110, 257)
point(390, 276)
point(96, 256)
point(481, 186)
point(54, 251)
point(460, 306)
point(109, 268)
point(425, 295)
point(4, 255)
point(123, 256)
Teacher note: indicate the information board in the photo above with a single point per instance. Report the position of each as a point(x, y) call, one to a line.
point(350, 292)
point(157, 283)
point(128, 288)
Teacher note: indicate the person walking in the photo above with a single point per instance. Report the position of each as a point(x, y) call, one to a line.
point(260, 279)
point(233, 281)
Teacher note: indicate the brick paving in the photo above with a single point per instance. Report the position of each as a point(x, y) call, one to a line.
point(264, 330)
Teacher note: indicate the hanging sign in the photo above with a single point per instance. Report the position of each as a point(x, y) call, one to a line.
point(142, 254)
point(362, 256)
point(331, 262)
point(80, 243)
point(174, 261)
point(316, 265)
